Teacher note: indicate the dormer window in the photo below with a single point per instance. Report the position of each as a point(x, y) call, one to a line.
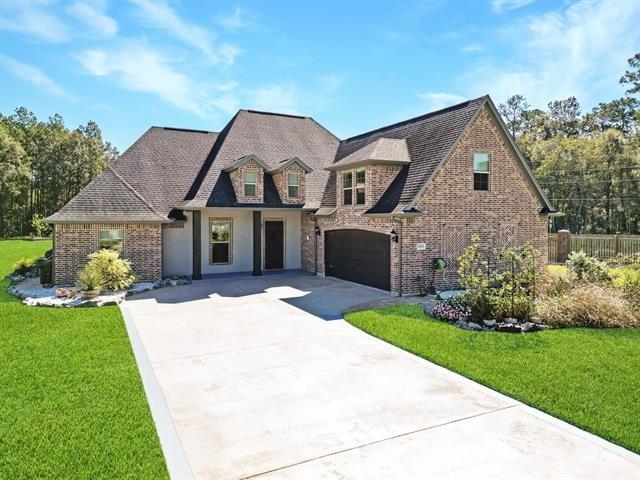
point(349, 197)
point(250, 183)
point(347, 188)
point(481, 171)
point(360, 179)
point(293, 185)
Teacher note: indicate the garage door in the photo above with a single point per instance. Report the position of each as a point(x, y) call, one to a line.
point(358, 256)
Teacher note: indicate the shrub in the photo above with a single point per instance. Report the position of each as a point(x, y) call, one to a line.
point(90, 280)
point(24, 265)
point(588, 306)
point(451, 309)
point(115, 271)
point(627, 281)
point(557, 281)
point(519, 307)
point(588, 269)
point(40, 228)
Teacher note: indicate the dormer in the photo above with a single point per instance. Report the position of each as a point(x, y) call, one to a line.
point(289, 178)
point(247, 178)
point(364, 175)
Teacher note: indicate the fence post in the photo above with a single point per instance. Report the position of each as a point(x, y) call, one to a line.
point(616, 249)
point(564, 245)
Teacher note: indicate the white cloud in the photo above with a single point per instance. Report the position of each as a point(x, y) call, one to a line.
point(500, 6)
point(99, 22)
point(233, 21)
point(438, 100)
point(31, 18)
point(139, 68)
point(580, 50)
point(32, 75)
point(280, 98)
point(158, 14)
point(473, 47)
point(331, 82)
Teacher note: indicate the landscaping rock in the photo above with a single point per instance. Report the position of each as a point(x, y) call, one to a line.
point(474, 326)
point(489, 323)
point(508, 328)
point(510, 321)
point(449, 293)
point(529, 327)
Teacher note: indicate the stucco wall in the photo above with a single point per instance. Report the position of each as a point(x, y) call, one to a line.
point(242, 245)
point(177, 248)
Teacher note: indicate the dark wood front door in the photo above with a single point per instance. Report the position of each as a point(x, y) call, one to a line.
point(273, 244)
point(358, 256)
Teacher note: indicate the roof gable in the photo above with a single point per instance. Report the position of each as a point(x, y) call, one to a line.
point(295, 160)
point(381, 151)
point(241, 161)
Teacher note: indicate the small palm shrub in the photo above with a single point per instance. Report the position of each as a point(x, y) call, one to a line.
point(90, 280)
point(23, 265)
point(588, 305)
point(115, 271)
point(588, 269)
point(451, 309)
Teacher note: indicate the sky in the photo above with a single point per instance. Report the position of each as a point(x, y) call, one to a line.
point(353, 66)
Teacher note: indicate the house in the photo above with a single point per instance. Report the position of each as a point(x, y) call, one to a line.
point(273, 191)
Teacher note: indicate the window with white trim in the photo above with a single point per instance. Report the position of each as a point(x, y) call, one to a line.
point(250, 179)
point(481, 171)
point(347, 188)
point(293, 185)
point(220, 240)
point(360, 184)
point(112, 239)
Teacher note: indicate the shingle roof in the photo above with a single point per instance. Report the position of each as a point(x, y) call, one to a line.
point(272, 138)
point(388, 201)
point(381, 150)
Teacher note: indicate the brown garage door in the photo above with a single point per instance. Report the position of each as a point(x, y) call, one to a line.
point(358, 256)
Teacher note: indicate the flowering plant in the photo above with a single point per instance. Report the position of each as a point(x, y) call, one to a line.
point(451, 309)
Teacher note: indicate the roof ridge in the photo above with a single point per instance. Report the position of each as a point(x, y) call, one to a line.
point(424, 116)
point(133, 190)
point(180, 129)
point(275, 114)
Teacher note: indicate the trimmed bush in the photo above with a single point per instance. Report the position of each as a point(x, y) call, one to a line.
point(115, 271)
point(588, 305)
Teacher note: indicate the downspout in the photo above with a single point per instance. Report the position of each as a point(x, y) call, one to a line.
point(399, 220)
point(315, 239)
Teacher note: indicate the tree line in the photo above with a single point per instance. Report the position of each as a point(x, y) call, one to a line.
point(587, 164)
point(42, 166)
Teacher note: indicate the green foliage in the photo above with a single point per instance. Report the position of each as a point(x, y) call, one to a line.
point(23, 265)
point(627, 281)
point(588, 269)
point(115, 271)
point(585, 376)
point(40, 229)
point(589, 305)
point(43, 165)
point(90, 279)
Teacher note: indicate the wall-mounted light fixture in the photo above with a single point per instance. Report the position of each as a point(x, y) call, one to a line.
point(317, 230)
point(394, 236)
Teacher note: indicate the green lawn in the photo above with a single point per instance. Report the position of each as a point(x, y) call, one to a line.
point(71, 400)
point(587, 377)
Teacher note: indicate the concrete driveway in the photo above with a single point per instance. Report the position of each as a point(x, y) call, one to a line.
point(254, 377)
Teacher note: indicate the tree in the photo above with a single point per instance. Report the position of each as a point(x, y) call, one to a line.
point(621, 114)
point(513, 111)
point(631, 77)
point(564, 117)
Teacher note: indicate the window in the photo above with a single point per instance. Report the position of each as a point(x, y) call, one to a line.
point(360, 177)
point(481, 171)
point(293, 184)
point(220, 240)
point(347, 188)
point(250, 184)
point(111, 239)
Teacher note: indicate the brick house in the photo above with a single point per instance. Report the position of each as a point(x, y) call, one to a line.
point(273, 191)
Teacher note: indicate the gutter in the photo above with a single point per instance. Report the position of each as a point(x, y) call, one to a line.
point(399, 220)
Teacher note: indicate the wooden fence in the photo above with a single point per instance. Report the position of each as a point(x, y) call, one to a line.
point(603, 247)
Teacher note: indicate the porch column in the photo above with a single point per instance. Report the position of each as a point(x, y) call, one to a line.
point(257, 242)
point(196, 236)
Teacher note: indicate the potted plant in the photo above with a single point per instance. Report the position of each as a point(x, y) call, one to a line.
point(90, 283)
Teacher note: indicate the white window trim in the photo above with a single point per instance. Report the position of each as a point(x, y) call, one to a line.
point(289, 184)
point(245, 183)
point(487, 173)
point(100, 247)
point(213, 220)
point(360, 186)
point(348, 188)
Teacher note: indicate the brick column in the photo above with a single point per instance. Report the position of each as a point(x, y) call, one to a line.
point(564, 245)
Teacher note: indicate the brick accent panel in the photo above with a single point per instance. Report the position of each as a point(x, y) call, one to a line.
point(237, 180)
point(280, 179)
point(142, 246)
point(506, 215)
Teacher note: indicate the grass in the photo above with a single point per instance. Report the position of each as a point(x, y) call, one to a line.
point(587, 377)
point(71, 399)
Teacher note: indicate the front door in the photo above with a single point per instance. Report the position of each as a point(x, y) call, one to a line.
point(273, 244)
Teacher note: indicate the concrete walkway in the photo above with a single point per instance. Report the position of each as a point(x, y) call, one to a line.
point(253, 377)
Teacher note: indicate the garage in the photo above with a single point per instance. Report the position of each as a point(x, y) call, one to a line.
point(358, 256)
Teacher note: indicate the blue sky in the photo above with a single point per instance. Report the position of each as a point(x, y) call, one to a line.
point(353, 66)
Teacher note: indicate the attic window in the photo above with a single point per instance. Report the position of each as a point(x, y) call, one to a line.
point(481, 171)
point(293, 185)
point(347, 188)
point(360, 182)
point(250, 183)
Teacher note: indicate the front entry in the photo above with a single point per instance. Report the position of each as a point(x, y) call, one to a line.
point(273, 244)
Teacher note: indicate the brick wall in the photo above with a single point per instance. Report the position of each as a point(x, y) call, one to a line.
point(377, 179)
point(237, 180)
point(507, 214)
point(142, 246)
point(280, 179)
